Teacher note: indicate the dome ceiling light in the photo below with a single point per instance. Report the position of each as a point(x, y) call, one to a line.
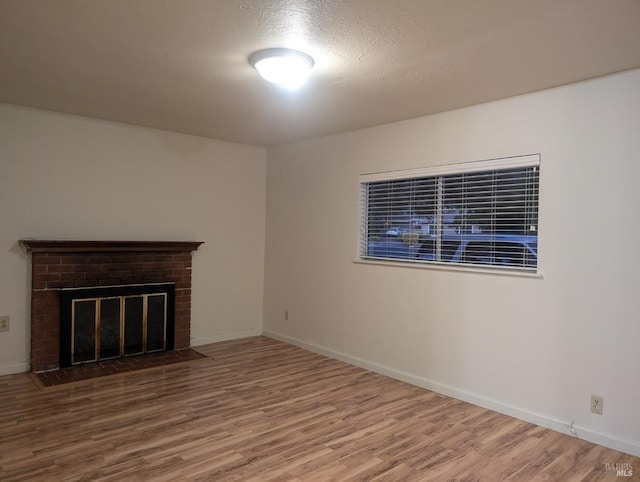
point(288, 68)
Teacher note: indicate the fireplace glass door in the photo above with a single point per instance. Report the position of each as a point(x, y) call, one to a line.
point(114, 322)
point(112, 327)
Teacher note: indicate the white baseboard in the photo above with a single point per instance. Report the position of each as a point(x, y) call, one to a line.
point(226, 337)
point(13, 369)
point(627, 446)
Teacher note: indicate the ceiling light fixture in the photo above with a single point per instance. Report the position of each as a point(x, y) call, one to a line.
point(285, 67)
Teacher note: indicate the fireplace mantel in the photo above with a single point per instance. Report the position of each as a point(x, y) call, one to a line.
point(77, 246)
point(66, 264)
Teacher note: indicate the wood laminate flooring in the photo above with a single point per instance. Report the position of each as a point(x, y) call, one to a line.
point(259, 409)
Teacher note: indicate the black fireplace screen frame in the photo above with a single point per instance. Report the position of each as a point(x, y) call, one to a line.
point(69, 295)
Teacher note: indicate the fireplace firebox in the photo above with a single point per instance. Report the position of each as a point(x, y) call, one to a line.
point(116, 321)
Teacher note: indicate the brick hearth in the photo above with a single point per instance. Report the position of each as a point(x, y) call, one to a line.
point(79, 264)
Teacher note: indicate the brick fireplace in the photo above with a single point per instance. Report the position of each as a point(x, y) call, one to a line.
point(60, 264)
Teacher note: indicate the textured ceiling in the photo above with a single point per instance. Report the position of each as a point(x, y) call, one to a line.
point(182, 65)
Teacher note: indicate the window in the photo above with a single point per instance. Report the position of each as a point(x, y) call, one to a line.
point(475, 214)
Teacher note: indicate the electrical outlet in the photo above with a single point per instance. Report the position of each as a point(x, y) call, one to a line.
point(286, 314)
point(596, 404)
point(4, 323)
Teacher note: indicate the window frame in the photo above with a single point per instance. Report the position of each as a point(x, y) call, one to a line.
point(439, 172)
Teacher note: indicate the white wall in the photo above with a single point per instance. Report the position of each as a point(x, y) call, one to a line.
point(533, 348)
point(71, 177)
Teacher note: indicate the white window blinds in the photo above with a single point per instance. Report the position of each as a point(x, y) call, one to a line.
point(481, 214)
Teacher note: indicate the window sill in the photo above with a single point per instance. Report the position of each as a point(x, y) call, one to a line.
point(449, 267)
